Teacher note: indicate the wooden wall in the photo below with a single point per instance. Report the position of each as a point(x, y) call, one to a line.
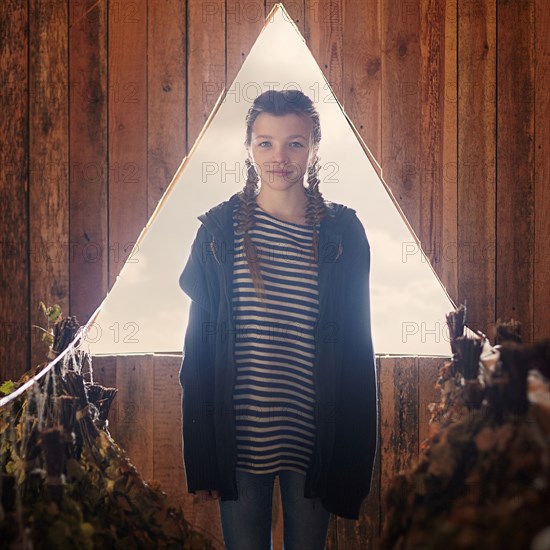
point(146, 421)
point(101, 100)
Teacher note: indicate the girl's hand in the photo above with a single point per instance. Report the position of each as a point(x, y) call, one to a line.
point(208, 495)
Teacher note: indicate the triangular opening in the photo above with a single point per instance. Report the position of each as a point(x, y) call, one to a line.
point(146, 311)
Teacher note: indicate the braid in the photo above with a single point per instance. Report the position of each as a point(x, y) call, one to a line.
point(245, 222)
point(316, 207)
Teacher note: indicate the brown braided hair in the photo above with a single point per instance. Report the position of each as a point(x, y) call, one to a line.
point(278, 103)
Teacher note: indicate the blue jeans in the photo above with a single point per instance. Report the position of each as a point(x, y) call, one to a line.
point(246, 522)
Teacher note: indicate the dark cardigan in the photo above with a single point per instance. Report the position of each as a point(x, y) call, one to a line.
point(346, 413)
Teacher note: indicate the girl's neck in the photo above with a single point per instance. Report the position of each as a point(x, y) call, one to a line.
point(286, 206)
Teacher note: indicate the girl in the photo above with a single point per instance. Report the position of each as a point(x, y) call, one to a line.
point(278, 371)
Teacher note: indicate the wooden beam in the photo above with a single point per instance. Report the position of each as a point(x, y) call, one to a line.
point(49, 161)
point(206, 66)
point(515, 163)
point(541, 296)
point(476, 243)
point(127, 129)
point(362, 77)
point(399, 419)
point(88, 175)
point(166, 95)
point(14, 190)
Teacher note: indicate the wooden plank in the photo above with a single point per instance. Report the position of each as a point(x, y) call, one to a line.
point(332, 534)
point(370, 518)
point(104, 372)
point(168, 468)
point(476, 241)
point(436, 194)
point(447, 268)
point(205, 62)
point(14, 298)
point(541, 296)
point(243, 25)
point(428, 373)
point(401, 136)
point(127, 129)
point(166, 95)
point(515, 163)
point(48, 163)
point(88, 156)
point(134, 380)
point(277, 523)
point(324, 23)
point(362, 71)
point(399, 419)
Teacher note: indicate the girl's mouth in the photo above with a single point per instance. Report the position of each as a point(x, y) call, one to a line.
point(280, 172)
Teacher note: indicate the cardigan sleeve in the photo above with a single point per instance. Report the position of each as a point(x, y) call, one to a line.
point(197, 375)
point(193, 277)
point(356, 440)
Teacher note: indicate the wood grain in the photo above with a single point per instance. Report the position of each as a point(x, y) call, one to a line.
point(447, 267)
point(243, 24)
point(541, 275)
point(48, 162)
point(412, 36)
point(127, 129)
point(399, 419)
point(324, 27)
point(437, 192)
point(436, 140)
point(166, 95)
point(401, 123)
point(168, 467)
point(206, 31)
point(14, 186)
point(104, 373)
point(515, 166)
point(428, 373)
point(135, 410)
point(476, 244)
point(361, 80)
point(277, 521)
point(88, 176)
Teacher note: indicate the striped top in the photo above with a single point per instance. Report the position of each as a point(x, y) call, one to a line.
point(274, 394)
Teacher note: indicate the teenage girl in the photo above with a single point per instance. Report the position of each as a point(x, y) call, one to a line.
point(276, 299)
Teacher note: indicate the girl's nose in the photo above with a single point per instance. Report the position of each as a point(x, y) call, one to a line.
point(279, 155)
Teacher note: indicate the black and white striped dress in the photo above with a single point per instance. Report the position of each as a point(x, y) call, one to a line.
point(274, 395)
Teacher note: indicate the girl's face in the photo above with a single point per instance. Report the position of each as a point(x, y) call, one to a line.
point(280, 149)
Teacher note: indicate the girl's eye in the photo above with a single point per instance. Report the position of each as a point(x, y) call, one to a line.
point(291, 143)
